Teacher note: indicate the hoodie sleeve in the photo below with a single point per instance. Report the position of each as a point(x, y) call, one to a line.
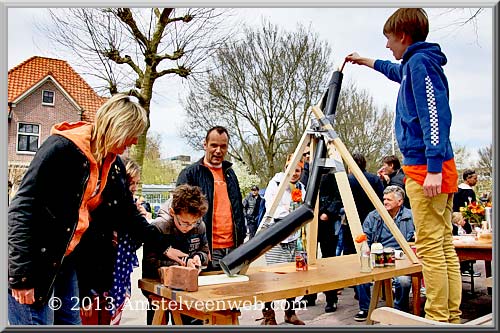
point(433, 109)
point(391, 70)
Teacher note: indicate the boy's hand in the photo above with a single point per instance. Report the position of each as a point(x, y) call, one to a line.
point(176, 255)
point(195, 262)
point(432, 184)
point(355, 58)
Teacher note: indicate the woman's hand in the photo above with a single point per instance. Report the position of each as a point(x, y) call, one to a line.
point(24, 296)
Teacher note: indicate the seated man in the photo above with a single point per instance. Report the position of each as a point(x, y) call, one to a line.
point(377, 232)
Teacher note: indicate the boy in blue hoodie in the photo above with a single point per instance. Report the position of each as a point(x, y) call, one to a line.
point(422, 123)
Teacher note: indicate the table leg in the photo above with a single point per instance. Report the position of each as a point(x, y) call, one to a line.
point(159, 317)
point(487, 269)
point(374, 300)
point(176, 317)
point(389, 301)
point(415, 288)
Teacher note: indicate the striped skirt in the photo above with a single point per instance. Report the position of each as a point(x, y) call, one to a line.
point(283, 252)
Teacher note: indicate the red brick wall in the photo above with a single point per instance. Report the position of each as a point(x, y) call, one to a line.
point(30, 110)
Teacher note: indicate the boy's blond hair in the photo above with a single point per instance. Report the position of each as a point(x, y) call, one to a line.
point(456, 217)
point(411, 21)
point(117, 120)
point(133, 169)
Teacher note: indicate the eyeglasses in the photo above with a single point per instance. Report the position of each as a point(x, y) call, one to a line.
point(185, 224)
point(306, 154)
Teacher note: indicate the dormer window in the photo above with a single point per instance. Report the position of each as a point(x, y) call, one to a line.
point(47, 97)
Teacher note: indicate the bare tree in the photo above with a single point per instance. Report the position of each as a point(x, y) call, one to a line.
point(462, 17)
point(485, 162)
point(128, 50)
point(260, 90)
point(461, 156)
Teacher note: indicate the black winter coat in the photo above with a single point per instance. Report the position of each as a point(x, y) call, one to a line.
point(198, 174)
point(43, 215)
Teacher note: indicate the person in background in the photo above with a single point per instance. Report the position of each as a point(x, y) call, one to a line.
point(224, 220)
point(251, 205)
point(377, 232)
point(180, 220)
point(465, 194)
point(462, 227)
point(306, 156)
point(361, 199)
point(292, 197)
point(75, 177)
point(391, 173)
point(104, 281)
point(422, 127)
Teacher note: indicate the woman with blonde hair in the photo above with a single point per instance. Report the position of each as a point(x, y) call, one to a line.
point(291, 199)
point(75, 176)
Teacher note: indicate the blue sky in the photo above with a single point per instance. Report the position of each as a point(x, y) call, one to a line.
point(468, 49)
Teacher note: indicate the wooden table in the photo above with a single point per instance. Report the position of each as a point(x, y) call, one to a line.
point(218, 304)
point(468, 248)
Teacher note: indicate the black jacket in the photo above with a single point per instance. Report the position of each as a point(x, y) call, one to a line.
point(43, 215)
point(197, 174)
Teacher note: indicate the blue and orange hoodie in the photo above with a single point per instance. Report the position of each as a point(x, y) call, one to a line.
point(423, 115)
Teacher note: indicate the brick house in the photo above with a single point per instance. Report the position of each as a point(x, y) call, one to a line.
point(43, 92)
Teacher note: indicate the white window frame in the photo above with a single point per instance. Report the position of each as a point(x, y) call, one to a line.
point(53, 97)
point(27, 152)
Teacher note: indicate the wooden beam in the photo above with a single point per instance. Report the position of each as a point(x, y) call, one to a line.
point(290, 169)
point(358, 174)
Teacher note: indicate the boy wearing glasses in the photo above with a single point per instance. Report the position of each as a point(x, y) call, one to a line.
point(179, 219)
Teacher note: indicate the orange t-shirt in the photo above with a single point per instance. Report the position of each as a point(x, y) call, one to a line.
point(449, 171)
point(222, 220)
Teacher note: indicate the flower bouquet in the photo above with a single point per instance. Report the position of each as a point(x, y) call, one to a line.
point(474, 212)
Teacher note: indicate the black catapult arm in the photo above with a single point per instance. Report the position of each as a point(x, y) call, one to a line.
point(240, 258)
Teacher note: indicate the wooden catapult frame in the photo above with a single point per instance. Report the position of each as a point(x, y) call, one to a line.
point(337, 153)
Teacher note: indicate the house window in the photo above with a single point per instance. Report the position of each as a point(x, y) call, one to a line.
point(28, 137)
point(47, 97)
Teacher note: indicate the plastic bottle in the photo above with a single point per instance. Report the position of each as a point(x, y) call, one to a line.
point(364, 254)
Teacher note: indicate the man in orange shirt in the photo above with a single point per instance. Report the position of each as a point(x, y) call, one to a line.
point(224, 220)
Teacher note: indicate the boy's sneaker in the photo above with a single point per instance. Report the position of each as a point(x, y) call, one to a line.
point(361, 316)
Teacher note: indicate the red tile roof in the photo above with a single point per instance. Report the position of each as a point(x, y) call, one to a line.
point(30, 72)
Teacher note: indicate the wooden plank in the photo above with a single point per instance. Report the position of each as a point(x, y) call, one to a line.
point(312, 225)
point(356, 171)
point(312, 236)
point(484, 320)
point(349, 207)
point(389, 316)
point(268, 286)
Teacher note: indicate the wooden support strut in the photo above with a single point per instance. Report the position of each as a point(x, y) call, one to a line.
point(348, 200)
point(297, 155)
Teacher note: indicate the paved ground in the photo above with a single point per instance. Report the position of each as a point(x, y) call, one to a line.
point(473, 305)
